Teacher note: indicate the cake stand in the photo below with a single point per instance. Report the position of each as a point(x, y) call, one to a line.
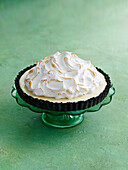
point(61, 119)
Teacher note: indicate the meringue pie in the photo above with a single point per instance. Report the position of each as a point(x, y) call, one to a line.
point(63, 78)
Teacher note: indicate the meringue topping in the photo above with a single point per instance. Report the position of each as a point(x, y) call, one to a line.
point(62, 75)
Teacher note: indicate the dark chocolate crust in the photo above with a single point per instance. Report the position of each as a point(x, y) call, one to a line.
point(54, 106)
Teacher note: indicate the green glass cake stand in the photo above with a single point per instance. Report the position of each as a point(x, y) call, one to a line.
point(63, 119)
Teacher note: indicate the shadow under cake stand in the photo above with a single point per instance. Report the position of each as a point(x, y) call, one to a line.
point(61, 119)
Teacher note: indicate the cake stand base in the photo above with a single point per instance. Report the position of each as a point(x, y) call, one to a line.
point(62, 121)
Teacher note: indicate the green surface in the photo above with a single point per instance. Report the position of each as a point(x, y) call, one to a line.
point(95, 29)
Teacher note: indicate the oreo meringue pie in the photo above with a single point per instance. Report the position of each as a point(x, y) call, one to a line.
point(62, 82)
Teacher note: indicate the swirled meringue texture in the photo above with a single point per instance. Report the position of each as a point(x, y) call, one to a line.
point(62, 75)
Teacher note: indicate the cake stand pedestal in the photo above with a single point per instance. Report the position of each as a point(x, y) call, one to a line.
point(63, 119)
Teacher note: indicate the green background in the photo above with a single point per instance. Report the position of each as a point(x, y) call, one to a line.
point(95, 29)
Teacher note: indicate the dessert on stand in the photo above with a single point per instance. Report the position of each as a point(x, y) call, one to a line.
point(62, 87)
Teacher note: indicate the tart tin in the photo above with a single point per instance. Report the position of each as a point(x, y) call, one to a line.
point(54, 106)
